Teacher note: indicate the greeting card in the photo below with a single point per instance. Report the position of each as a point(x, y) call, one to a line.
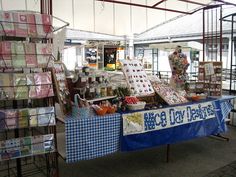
point(32, 30)
point(26, 146)
point(31, 85)
point(43, 60)
point(18, 61)
point(46, 116)
point(38, 144)
point(7, 27)
point(20, 88)
point(20, 24)
point(18, 48)
point(12, 148)
point(43, 82)
point(11, 117)
point(33, 119)
point(44, 49)
point(5, 63)
point(30, 52)
point(6, 84)
point(2, 120)
point(23, 120)
point(5, 47)
point(43, 25)
point(47, 23)
point(48, 142)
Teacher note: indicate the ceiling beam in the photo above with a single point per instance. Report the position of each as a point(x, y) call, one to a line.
point(158, 3)
point(145, 6)
point(193, 2)
point(224, 2)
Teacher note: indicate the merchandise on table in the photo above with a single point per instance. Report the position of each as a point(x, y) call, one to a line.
point(167, 93)
point(92, 84)
point(136, 78)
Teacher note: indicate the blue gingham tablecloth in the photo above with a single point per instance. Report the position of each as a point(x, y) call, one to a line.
point(92, 137)
point(226, 105)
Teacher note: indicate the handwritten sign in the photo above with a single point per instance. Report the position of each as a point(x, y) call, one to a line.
point(152, 120)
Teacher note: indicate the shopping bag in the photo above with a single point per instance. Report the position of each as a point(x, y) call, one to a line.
point(80, 112)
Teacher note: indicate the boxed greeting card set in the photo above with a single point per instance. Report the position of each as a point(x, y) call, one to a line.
point(26, 146)
point(18, 86)
point(27, 117)
point(24, 24)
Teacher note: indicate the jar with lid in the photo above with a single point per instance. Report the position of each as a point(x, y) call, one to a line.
point(103, 90)
point(82, 81)
point(97, 90)
point(92, 79)
point(109, 90)
point(91, 94)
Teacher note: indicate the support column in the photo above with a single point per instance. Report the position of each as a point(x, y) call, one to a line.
point(229, 53)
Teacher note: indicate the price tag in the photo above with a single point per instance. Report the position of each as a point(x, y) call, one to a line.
point(83, 79)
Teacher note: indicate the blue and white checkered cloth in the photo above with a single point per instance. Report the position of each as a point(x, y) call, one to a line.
point(92, 137)
point(226, 108)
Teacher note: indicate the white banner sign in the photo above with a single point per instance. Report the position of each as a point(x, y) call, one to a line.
point(152, 120)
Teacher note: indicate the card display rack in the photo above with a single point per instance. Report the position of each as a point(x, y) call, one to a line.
point(28, 143)
point(61, 87)
point(210, 77)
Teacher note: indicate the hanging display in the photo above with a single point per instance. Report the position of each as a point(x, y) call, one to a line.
point(179, 65)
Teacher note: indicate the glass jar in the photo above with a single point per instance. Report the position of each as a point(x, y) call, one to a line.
point(82, 81)
point(109, 90)
point(103, 90)
point(98, 91)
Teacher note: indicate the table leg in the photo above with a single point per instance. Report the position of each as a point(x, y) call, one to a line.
point(221, 137)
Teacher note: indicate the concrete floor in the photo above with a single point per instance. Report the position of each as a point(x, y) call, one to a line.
point(195, 158)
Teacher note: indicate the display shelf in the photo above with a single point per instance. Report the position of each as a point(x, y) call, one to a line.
point(98, 99)
point(101, 99)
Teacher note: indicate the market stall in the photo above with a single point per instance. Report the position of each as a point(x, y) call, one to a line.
point(174, 114)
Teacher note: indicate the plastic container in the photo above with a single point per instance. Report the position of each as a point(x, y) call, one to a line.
point(102, 111)
point(140, 105)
